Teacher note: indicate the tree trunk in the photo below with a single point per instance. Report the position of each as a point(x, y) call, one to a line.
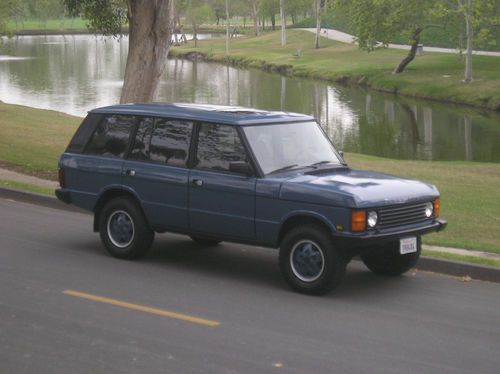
point(150, 33)
point(283, 22)
point(195, 34)
point(255, 16)
point(227, 26)
point(413, 52)
point(470, 42)
point(273, 21)
point(318, 24)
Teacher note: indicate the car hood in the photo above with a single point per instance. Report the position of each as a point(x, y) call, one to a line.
point(355, 189)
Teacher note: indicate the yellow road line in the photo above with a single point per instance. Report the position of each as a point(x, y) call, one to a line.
point(141, 308)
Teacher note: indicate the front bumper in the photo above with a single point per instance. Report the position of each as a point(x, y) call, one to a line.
point(365, 239)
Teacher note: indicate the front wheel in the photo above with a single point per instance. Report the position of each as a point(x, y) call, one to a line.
point(386, 260)
point(124, 230)
point(309, 261)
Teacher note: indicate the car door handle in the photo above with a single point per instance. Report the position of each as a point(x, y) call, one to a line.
point(198, 182)
point(130, 172)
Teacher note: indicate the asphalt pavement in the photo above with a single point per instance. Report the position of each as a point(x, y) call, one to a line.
point(66, 306)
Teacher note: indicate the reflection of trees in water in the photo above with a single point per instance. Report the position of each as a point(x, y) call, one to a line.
point(218, 145)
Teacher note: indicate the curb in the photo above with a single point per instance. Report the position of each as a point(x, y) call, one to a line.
point(37, 199)
point(448, 267)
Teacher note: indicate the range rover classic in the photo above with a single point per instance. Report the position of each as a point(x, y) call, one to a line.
point(218, 173)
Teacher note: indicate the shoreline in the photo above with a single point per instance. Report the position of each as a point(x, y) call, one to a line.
point(433, 76)
point(353, 81)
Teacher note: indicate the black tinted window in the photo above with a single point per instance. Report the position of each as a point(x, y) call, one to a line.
point(111, 136)
point(82, 135)
point(162, 140)
point(140, 150)
point(218, 145)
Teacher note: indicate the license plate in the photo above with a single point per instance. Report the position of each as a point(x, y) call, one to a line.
point(408, 245)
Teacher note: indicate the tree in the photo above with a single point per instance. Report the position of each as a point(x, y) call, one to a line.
point(377, 22)
point(319, 7)
point(480, 16)
point(283, 22)
point(227, 26)
point(269, 8)
point(196, 12)
point(150, 36)
point(255, 16)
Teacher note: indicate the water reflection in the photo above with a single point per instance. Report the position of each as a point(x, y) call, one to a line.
point(76, 73)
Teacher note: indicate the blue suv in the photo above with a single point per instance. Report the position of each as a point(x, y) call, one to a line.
point(242, 175)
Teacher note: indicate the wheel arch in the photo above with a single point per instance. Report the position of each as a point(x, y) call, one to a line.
point(303, 218)
point(109, 194)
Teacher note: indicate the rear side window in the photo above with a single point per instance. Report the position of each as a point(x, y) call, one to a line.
point(111, 136)
point(83, 134)
point(162, 140)
point(218, 145)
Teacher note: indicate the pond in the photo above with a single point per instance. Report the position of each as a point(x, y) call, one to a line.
point(76, 73)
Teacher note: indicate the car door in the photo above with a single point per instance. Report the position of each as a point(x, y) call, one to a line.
point(221, 203)
point(156, 170)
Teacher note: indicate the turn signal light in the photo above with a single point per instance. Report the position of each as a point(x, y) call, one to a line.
point(437, 207)
point(358, 220)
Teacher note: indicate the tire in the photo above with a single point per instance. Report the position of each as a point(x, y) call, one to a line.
point(205, 241)
point(124, 230)
point(309, 261)
point(386, 259)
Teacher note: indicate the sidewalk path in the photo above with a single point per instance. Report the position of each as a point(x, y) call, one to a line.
point(23, 178)
point(347, 38)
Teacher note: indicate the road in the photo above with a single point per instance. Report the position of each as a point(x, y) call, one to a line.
point(66, 306)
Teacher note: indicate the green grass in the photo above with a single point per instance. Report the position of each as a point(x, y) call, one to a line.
point(432, 75)
point(469, 197)
point(51, 24)
point(31, 140)
point(470, 259)
point(26, 187)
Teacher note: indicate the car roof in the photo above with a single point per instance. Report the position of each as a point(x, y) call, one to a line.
point(233, 115)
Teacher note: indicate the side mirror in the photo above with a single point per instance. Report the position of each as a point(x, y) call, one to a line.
point(241, 167)
point(341, 153)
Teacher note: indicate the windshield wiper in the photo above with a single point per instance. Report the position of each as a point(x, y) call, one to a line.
point(284, 168)
point(322, 163)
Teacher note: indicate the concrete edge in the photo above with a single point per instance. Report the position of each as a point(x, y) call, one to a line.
point(448, 267)
point(459, 269)
point(37, 199)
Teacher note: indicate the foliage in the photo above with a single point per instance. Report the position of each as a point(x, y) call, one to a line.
point(104, 16)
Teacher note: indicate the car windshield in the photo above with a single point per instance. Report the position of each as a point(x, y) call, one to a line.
point(287, 146)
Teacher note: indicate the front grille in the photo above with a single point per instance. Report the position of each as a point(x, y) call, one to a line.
point(401, 215)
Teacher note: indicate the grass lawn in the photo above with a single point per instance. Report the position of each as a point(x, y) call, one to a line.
point(432, 75)
point(26, 187)
point(31, 141)
point(51, 24)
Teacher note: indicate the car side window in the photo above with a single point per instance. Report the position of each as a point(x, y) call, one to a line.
point(218, 145)
point(140, 149)
point(162, 140)
point(111, 136)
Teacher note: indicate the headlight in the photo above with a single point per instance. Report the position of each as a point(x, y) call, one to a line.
point(372, 218)
point(429, 209)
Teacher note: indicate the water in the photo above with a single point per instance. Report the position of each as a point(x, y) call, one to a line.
point(74, 74)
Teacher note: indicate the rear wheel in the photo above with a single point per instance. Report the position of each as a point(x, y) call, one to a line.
point(309, 261)
point(386, 260)
point(124, 230)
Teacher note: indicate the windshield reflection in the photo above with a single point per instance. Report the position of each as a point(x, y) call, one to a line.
point(287, 146)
